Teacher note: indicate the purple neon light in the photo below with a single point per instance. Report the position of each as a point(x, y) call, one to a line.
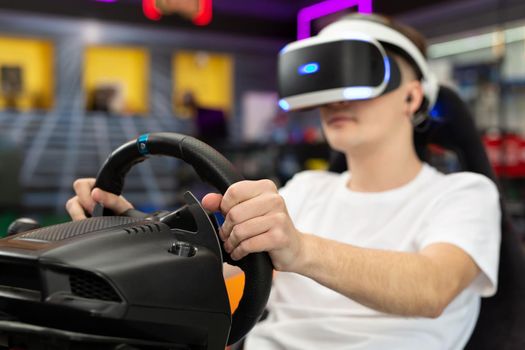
point(106, 0)
point(308, 14)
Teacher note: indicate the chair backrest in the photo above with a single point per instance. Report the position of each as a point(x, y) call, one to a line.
point(501, 323)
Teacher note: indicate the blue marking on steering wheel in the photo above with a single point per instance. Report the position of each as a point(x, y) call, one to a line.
point(142, 144)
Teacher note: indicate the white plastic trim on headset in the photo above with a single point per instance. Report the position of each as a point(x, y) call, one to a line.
point(374, 33)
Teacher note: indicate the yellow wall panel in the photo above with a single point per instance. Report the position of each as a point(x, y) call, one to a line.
point(208, 75)
point(36, 58)
point(124, 66)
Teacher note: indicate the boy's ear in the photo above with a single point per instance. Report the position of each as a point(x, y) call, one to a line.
point(414, 97)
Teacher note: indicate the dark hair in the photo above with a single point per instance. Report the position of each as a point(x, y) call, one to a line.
point(411, 33)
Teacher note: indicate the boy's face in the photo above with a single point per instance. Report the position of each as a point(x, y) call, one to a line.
point(359, 125)
point(356, 124)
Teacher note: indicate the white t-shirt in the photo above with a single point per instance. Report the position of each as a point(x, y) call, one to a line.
point(461, 209)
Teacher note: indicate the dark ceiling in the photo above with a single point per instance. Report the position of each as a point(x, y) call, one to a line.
point(268, 18)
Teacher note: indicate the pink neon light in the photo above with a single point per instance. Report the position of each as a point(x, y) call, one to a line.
point(308, 14)
point(150, 10)
point(205, 13)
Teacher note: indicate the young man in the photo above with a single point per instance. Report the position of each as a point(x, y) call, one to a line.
point(393, 254)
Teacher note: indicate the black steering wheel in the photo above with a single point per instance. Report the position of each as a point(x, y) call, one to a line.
point(213, 168)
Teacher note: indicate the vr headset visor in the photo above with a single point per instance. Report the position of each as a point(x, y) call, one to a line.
point(313, 72)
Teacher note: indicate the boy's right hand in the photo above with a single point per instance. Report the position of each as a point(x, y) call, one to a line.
point(87, 197)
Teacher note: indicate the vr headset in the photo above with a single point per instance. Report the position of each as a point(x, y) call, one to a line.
point(348, 61)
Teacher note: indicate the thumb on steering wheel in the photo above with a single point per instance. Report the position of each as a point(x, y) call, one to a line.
point(212, 202)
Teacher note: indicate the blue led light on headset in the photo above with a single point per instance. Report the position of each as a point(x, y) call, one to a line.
point(309, 68)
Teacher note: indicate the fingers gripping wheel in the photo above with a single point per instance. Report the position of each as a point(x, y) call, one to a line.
point(216, 170)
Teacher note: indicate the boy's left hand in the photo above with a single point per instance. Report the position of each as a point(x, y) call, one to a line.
point(256, 220)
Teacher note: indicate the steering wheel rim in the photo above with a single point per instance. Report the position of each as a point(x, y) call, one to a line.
point(216, 170)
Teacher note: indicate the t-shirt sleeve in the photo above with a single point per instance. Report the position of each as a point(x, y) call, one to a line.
point(468, 215)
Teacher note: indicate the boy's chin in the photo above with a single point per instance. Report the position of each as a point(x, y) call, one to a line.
point(344, 146)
